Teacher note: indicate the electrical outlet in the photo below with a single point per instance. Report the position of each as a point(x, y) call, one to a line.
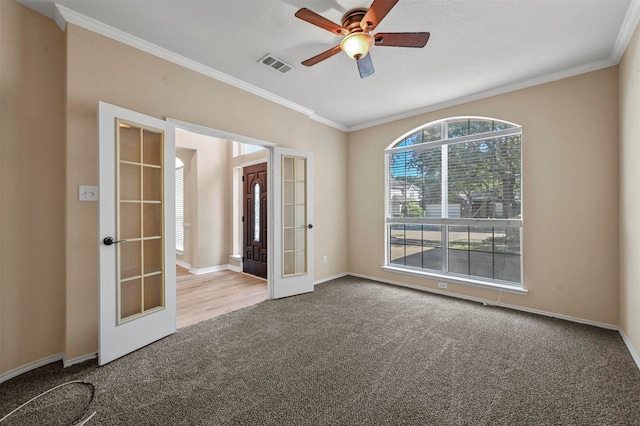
point(442, 285)
point(324, 259)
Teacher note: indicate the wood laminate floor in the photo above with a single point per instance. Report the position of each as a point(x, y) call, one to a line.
point(200, 297)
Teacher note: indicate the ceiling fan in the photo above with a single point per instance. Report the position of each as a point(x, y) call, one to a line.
point(356, 25)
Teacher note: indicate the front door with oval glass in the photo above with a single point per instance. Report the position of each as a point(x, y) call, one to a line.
point(254, 185)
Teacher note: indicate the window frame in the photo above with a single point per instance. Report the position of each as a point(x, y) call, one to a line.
point(444, 221)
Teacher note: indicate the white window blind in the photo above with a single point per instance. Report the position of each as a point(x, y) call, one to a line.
point(179, 205)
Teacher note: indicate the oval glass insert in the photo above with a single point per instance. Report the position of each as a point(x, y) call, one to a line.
point(256, 211)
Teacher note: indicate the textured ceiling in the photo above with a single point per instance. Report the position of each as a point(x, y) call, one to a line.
point(477, 47)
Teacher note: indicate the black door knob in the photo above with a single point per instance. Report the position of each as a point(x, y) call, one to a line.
point(310, 226)
point(109, 240)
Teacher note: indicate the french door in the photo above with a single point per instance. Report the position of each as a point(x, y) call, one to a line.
point(136, 231)
point(293, 229)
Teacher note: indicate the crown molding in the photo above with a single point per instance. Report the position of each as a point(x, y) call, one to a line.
point(542, 79)
point(63, 15)
point(328, 122)
point(626, 31)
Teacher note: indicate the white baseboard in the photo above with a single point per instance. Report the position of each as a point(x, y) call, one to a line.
point(31, 366)
point(632, 350)
point(210, 269)
point(490, 302)
point(183, 264)
point(333, 277)
point(77, 360)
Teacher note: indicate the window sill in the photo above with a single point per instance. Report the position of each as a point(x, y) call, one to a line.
point(456, 280)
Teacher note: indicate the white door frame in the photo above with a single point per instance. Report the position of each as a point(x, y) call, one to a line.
point(277, 284)
point(220, 134)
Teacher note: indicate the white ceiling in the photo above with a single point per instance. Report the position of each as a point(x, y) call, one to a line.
point(477, 47)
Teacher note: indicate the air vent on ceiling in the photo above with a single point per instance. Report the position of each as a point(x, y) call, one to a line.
point(276, 64)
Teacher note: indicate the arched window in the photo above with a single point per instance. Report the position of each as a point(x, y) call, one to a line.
point(454, 201)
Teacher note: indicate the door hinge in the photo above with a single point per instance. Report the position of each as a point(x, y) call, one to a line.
point(243, 258)
point(242, 218)
point(243, 178)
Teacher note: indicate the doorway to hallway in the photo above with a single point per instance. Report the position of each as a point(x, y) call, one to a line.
point(205, 296)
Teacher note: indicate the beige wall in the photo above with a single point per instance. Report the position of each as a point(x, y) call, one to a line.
point(32, 170)
point(100, 69)
point(208, 201)
point(570, 195)
point(629, 191)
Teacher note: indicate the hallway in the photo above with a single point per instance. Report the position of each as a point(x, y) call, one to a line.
point(201, 297)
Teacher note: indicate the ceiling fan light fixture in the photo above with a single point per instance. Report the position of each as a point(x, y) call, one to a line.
point(357, 45)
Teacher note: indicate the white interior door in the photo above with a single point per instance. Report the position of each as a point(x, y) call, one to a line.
point(136, 231)
point(293, 223)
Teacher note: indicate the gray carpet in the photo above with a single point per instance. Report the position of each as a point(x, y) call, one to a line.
point(355, 352)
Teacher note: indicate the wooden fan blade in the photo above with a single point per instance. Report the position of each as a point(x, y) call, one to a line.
point(375, 14)
point(320, 21)
point(365, 66)
point(401, 39)
point(322, 56)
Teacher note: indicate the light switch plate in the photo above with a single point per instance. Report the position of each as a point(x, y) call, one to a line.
point(87, 193)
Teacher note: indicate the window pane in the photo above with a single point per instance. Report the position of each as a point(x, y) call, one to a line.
point(130, 298)
point(484, 178)
point(458, 261)
point(507, 257)
point(481, 264)
point(287, 215)
point(507, 267)
point(433, 133)
point(457, 129)
point(416, 245)
point(129, 143)
point(432, 247)
point(152, 148)
point(485, 252)
point(459, 237)
point(396, 244)
point(153, 289)
point(413, 245)
point(481, 238)
point(459, 249)
point(413, 139)
point(415, 183)
point(466, 127)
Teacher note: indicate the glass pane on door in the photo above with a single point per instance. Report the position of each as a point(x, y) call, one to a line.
point(140, 221)
point(294, 207)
